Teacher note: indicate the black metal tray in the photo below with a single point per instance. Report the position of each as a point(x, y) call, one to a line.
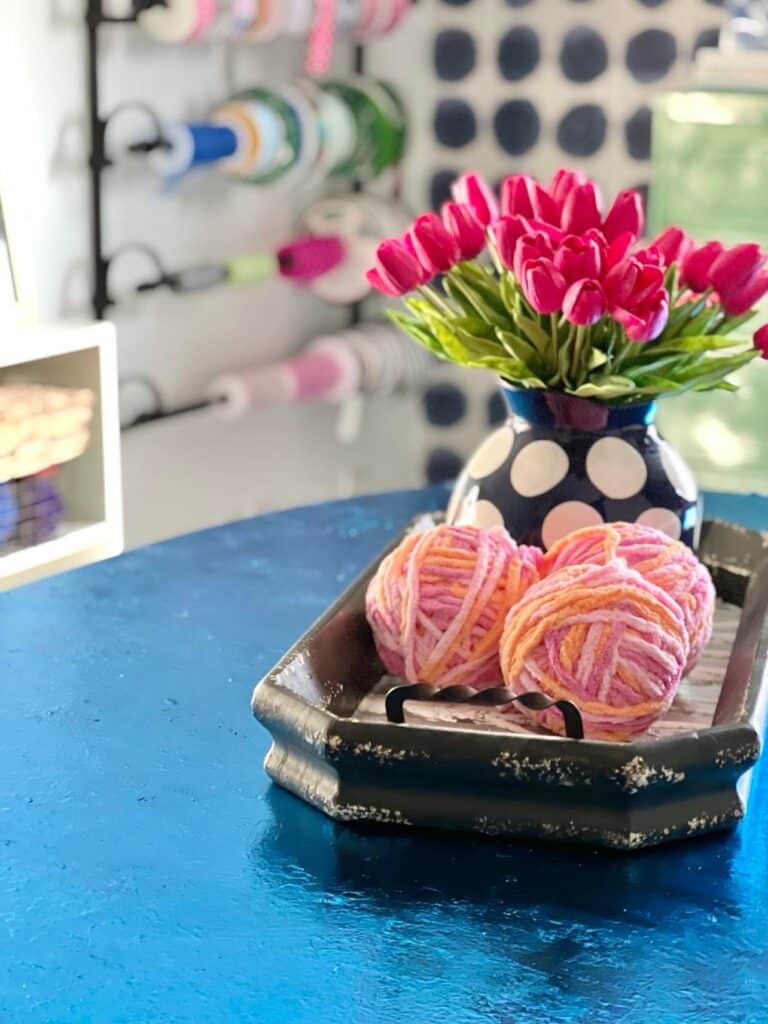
point(485, 770)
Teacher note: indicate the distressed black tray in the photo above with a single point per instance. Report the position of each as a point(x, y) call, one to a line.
point(483, 770)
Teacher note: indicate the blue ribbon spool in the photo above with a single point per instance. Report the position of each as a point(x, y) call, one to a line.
point(189, 145)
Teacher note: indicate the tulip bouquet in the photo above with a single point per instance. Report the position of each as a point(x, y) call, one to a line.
point(542, 287)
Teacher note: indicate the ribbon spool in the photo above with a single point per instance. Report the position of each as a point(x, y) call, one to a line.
point(380, 125)
point(187, 145)
point(177, 21)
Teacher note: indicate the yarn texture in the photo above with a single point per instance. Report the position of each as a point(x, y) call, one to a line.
point(438, 602)
point(602, 636)
point(665, 562)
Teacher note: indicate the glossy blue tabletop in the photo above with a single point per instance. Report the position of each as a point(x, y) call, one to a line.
point(149, 872)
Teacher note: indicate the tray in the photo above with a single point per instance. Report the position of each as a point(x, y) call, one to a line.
point(481, 769)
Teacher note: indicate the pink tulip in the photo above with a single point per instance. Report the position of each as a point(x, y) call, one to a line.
point(761, 340)
point(647, 323)
point(584, 303)
point(523, 196)
point(465, 229)
point(625, 216)
point(543, 285)
point(473, 191)
point(563, 183)
point(673, 244)
point(735, 267)
point(582, 209)
point(436, 250)
point(532, 246)
point(618, 249)
point(697, 265)
point(620, 281)
point(395, 270)
point(578, 257)
point(506, 232)
point(741, 299)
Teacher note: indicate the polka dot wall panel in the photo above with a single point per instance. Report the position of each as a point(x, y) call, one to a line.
point(532, 85)
point(528, 85)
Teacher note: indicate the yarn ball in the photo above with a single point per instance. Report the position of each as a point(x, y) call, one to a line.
point(603, 637)
point(40, 509)
point(437, 603)
point(665, 562)
point(9, 512)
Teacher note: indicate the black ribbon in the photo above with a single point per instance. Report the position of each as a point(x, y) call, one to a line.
point(533, 700)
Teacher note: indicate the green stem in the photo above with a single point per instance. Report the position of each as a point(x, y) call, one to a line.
point(437, 300)
point(492, 249)
point(552, 353)
point(576, 354)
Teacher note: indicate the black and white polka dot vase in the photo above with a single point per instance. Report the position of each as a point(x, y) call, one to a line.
point(560, 463)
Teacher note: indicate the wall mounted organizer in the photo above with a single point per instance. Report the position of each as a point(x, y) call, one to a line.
point(347, 128)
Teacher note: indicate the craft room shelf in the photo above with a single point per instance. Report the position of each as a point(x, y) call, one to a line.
point(82, 356)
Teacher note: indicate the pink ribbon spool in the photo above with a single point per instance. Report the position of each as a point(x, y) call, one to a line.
point(322, 36)
point(206, 15)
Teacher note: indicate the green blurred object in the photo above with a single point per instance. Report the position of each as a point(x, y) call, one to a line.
point(710, 175)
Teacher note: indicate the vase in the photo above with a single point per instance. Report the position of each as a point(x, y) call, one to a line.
point(560, 463)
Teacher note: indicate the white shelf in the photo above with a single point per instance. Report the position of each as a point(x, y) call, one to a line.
point(82, 356)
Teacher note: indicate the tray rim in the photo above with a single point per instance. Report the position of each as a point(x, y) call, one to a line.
point(744, 688)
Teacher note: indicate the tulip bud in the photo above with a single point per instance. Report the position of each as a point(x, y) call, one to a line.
point(543, 285)
point(531, 246)
point(625, 216)
point(742, 299)
point(734, 267)
point(465, 229)
point(697, 265)
point(584, 303)
point(395, 270)
point(473, 191)
point(761, 340)
point(523, 196)
point(578, 258)
point(648, 323)
point(582, 209)
point(436, 250)
point(563, 183)
point(506, 232)
point(673, 244)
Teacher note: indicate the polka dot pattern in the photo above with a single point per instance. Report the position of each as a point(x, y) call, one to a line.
point(442, 464)
point(651, 54)
point(565, 518)
point(616, 468)
point(661, 519)
point(539, 467)
point(454, 54)
point(519, 53)
point(584, 54)
point(440, 187)
point(454, 123)
point(517, 126)
point(491, 454)
point(583, 129)
point(637, 132)
point(444, 404)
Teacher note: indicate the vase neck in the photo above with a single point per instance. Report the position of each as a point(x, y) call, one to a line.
point(559, 411)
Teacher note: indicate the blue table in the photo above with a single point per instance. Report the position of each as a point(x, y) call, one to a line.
point(150, 873)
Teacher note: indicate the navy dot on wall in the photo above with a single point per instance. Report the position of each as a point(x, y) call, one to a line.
point(642, 188)
point(518, 3)
point(651, 54)
point(582, 131)
point(706, 38)
point(440, 187)
point(714, 3)
point(584, 54)
point(442, 464)
point(454, 54)
point(637, 132)
point(444, 404)
point(652, 3)
point(456, 3)
point(517, 126)
point(519, 53)
point(497, 410)
point(454, 123)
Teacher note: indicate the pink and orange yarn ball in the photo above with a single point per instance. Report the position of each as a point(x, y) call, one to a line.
point(438, 602)
point(602, 636)
point(667, 563)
